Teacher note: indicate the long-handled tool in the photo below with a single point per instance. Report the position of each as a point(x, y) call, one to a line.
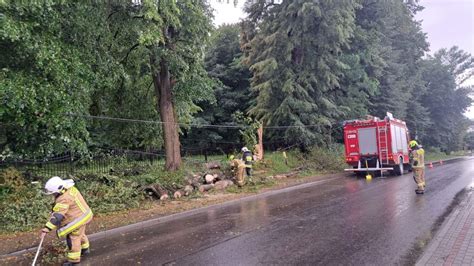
point(368, 176)
point(39, 248)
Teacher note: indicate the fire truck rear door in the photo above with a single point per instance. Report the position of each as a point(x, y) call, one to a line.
point(367, 141)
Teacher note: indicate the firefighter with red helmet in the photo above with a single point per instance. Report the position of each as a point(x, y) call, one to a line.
point(417, 155)
point(69, 217)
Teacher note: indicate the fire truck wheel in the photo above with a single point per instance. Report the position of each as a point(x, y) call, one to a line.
point(399, 168)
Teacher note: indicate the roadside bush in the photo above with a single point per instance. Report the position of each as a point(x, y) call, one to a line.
point(113, 195)
point(11, 180)
point(108, 193)
point(25, 209)
point(325, 159)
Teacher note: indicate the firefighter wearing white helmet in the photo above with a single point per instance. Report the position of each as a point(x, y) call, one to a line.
point(418, 164)
point(247, 157)
point(69, 217)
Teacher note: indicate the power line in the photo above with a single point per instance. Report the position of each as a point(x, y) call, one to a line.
point(185, 124)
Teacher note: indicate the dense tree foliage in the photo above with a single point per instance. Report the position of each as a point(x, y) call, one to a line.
point(358, 57)
point(44, 74)
point(115, 58)
point(445, 100)
point(223, 63)
point(300, 67)
point(294, 51)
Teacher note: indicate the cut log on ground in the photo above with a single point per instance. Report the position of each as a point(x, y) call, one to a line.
point(213, 165)
point(178, 194)
point(205, 188)
point(223, 184)
point(291, 174)
point(194, 181)
point(188, 190)
point(157, 190)
point(209, 178)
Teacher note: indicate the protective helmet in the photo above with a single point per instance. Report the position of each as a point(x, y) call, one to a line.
point(244, 149)
point(413, 143)
point(55, 185)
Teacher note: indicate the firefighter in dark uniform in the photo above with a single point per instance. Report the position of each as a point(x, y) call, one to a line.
point(417, 155)
point(247, 157)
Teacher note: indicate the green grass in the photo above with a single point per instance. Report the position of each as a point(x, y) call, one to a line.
point(434, 155)
point(275, 162)
point(23, 207)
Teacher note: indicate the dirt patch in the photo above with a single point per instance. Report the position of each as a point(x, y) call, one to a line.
point(150, 209)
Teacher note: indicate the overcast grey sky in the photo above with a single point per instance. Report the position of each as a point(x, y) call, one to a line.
point(446, 22)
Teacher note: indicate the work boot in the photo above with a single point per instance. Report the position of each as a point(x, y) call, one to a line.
point(85, 252)
point(68, 263)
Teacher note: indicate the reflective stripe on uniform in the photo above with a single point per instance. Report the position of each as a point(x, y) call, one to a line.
point(50, 226)
point(58, 206)
point(73, 191)
point(78, 222)
point(74, 255)
point(80, 205)
point(85, 245)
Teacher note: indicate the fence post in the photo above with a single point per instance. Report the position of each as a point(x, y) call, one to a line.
point(71, 167)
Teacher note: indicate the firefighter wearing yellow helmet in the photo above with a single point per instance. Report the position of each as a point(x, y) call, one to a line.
point(418, 164)
point(247, 157)
point(69, 217)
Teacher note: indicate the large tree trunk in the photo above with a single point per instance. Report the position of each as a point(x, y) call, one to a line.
point(163, 85)
point(260, 143)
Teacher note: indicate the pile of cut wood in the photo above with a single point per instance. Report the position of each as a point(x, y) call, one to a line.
point(213, 179)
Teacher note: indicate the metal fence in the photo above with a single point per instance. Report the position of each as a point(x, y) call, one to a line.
point(103, 161)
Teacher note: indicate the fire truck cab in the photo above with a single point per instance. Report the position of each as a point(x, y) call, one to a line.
point(373, 144)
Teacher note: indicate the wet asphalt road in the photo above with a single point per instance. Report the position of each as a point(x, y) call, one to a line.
point(340, 221)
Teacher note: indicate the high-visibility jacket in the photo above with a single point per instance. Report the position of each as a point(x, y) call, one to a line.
point(418, 158)
point(247, 157)
point(70, 211)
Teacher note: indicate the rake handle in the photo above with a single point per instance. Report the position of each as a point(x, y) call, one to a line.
point(39, 248)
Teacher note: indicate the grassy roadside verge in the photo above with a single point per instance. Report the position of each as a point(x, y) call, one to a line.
point(433, 155)
point(25, 208)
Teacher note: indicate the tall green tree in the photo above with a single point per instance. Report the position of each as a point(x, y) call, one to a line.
point(460, 63)
point(223, 62)
point(127, 56)
point(44, 75)
point(445, 99)
point(294, 51)
point(402, 45)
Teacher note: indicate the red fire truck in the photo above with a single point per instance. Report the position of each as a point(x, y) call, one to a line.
point(373, 144)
